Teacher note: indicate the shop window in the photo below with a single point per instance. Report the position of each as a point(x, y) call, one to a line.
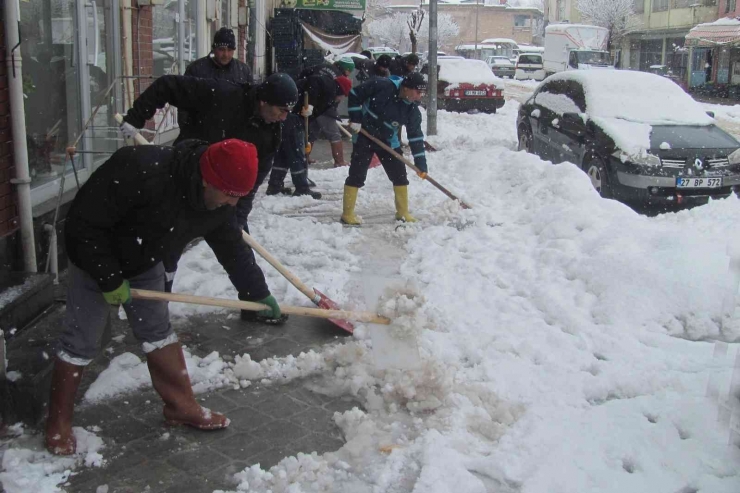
point(682, 4)
point(50, 85)
point(651, 53)
point(730, 6)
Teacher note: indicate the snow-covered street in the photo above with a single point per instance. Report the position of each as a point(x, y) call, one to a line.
point(567, 343)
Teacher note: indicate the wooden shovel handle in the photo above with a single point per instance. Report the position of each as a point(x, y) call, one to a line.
point(411, 165)
point(138, 138)
point(367, 317)
point(310, 293)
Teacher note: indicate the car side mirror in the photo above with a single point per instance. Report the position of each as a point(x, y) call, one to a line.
point(572, 122)
point(710, 114)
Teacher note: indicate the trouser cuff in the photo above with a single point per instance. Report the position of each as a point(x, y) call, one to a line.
point(72, 360)
point(148, 347)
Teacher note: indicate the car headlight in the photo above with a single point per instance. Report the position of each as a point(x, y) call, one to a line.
point(642, 159)
point(734, 158)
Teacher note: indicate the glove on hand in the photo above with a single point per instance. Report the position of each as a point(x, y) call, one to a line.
point(128, 130)
point(119, 296)
point(355, 127)
point(273, 312)
point(422, 165)
point(307, 111)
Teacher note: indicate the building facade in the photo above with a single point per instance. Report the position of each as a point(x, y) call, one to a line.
point(562, 11)
point(658, 41)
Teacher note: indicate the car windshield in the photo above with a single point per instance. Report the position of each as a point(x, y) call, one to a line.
point(594, 57)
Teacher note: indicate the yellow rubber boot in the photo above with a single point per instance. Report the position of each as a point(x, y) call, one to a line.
point(402, 204)
point(348, 206)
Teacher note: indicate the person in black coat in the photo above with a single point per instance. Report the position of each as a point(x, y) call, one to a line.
point(218, 64)
point(323, 94)
point(139, 205)
point(402, 66)
point(221, 110)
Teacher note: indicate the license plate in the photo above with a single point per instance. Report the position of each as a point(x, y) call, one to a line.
point(698, 182)
point(475, 93)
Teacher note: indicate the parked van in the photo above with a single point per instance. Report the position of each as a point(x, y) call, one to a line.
point(576, 46)
point(529, 66)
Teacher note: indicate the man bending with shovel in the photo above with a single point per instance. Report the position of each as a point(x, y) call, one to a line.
point(379, 107)
point(140, 205)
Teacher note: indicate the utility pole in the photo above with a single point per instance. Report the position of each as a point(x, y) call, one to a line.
point(432, 70)
point(476, 31)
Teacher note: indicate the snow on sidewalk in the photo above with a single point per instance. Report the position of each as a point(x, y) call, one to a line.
point(567, 342)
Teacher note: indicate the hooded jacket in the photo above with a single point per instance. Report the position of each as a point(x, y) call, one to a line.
point(218, 110)
point(143, 204)
point(376, 105)
point(322, 93)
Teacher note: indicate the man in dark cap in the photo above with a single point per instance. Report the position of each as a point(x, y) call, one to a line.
point(324, 93)
point(402, 66)
point(380, 106)
point(139, 205)
point(382, 66)
point(221, 110)
point(218, 64)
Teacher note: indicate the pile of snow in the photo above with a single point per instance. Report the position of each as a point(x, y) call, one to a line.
point(26, 468)
point(464, 71)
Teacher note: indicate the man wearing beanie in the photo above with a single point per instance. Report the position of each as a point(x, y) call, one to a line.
point(324, 94)
point(218, 64)
point(325, 126)
point(139, 205)
point(404, 65)
point(380, 106)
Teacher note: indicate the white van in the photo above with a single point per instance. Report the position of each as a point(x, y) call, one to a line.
point(529, 66)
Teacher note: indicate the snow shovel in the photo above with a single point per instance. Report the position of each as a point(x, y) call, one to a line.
point(138, 138)
point(318, 298)
point(368, 317)
point(411, 165)
point(427, 146)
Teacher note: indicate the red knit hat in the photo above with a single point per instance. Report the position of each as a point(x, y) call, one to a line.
point(345, 84)
point(230, 166)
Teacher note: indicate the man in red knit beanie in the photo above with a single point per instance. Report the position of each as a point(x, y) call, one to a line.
point(138, 207)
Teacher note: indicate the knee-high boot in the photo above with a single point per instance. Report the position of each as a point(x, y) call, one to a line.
point(170, 378)
point(65, 381)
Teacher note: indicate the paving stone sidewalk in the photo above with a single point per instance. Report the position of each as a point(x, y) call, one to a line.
point(268, 423)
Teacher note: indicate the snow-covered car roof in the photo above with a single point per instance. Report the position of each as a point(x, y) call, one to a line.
point(459, 70)
point(637, 97)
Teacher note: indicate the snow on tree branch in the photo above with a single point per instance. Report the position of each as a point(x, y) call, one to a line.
point(615, 15)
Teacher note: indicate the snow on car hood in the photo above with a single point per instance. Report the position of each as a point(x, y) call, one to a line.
point(625, 104)
point(460, 70)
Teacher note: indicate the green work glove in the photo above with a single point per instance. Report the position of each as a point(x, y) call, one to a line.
point(273, 312)
point(121, 295)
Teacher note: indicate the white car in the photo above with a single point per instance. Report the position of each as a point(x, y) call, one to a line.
point(529, 66)
point(501, 66)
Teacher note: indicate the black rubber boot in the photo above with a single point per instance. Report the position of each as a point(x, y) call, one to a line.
point(306, 191)
point(278, 190)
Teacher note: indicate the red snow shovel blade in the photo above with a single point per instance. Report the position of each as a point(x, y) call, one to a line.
point(327, 304)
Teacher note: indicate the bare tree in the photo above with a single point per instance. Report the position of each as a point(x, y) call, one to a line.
point(615, 15)
point(415, 22)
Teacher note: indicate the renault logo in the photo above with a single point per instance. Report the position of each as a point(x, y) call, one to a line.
point(698, 164)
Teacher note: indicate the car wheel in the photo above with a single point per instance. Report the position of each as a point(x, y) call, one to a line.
point(525, 139)
point(599, 176)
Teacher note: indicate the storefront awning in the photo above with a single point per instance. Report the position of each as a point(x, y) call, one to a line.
point(721, 32)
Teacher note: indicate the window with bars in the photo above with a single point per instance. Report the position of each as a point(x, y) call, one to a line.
point(660, 5)
point(730, 6)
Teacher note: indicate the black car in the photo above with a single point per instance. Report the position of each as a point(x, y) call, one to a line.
point(638, 136)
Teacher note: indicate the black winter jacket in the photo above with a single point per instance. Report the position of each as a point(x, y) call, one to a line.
point(322, 93)
point(206, 68)
point(144, 203)
point(221, 110)
point(398, 67)
point(328, 69)
point(376, 105)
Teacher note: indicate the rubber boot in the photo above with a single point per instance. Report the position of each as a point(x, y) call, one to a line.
point(348, 206)
point(271, 190)
point(337, 152)
point(402, 204)
point(170, 379)
point(65, 380)
point(306, 191)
